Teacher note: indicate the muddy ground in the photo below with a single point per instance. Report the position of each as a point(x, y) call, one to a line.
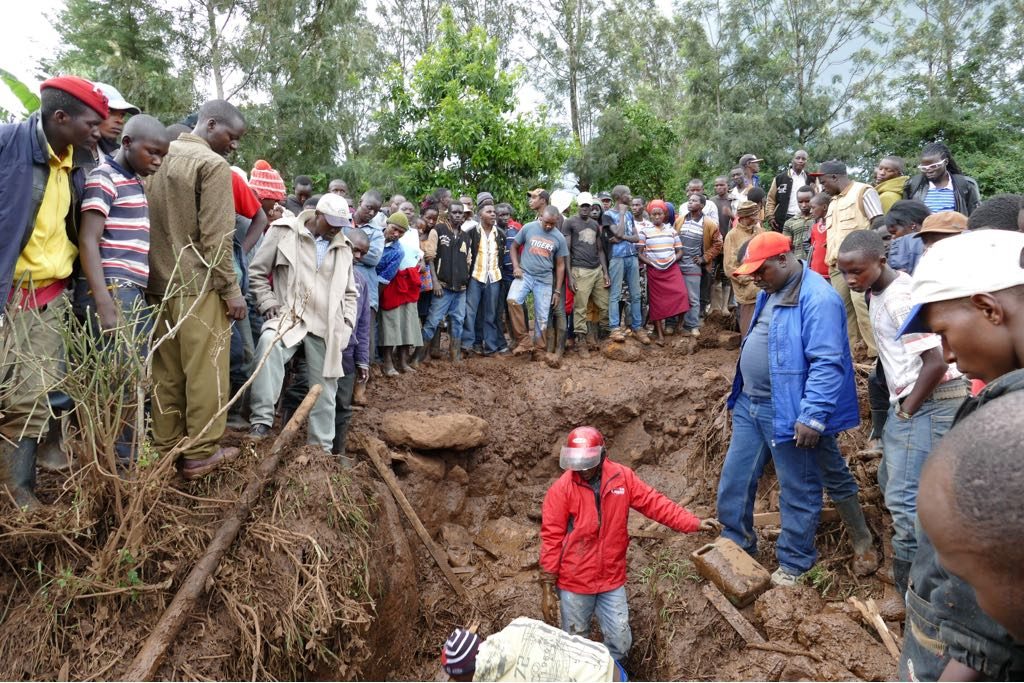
point(329, 580)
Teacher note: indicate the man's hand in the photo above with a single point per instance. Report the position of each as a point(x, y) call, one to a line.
point(549, 598)
point(438, 290)
point(805, 436)
point(554, 297)
point(517, 273)
point(362, 375)
point(237, 309)
point(607, 282)
point(106, 311)
point(710, 524)
point(771, 222)
point(271, 313)
point(570, 283)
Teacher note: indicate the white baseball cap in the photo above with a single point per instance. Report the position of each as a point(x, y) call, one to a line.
point(335, 210)
point(974, 262)
point(115, 100)
point(584, 198)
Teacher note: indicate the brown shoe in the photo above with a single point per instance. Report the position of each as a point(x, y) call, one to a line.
point(583, 350)
point(193, 469)
point(642, 336)
point(617, 335)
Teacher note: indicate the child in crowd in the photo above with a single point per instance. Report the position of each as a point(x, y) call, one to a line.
point(924, 391)
point(399, 277)
point(903, 221)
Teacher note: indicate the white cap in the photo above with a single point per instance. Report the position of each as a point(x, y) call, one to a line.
point(974, 262)
point(561, 199)
point(584, 198)
point(335, 210)
point(115, 100)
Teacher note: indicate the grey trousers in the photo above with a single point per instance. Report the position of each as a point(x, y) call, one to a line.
point(266, 388)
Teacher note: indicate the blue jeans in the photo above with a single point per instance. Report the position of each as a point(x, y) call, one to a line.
point(691, 319)
point(448, 303)
point(906, 445)
point(800, 483)
point(131, 299)
point(626, 269)
point(612, 614)
point(490, 296)
point(541, 299)
point(835, 474)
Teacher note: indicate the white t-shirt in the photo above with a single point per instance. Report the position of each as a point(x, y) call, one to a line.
point(901, 356)
point(799, 180)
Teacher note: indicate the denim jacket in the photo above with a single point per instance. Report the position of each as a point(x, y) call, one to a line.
point(809, 360)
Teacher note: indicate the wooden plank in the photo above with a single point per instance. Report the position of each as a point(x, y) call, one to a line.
point(827, 515)
point(731, 614)
point(872, 616)
point(392, 482)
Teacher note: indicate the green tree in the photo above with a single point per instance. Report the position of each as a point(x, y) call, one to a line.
point(453, 124)
point(131, 45)
point(635, 147)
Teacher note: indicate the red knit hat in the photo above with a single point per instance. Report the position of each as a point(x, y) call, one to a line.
point(267, 183)
point(80, 89)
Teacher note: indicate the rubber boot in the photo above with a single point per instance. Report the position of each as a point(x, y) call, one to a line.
point(50, 455)
point(413, 354)
point(422, 354)
point(554, 359)
point(540, 346)
point(865, 557)
point(455, 353)
point(520, 335)
point(18, 472)
point(435, 346)
point(901, 576)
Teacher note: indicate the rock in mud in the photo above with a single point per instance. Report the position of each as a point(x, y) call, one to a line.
point(780, 610)
point(729, 340)
point(423, 431)
point(627, 352)
point(505, 538)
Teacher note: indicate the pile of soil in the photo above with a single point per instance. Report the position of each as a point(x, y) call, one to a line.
point(327, 580)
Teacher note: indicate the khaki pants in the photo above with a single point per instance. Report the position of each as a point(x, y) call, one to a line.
point(589, 286)
point(190, 374)
point(31, 365)
point(266, 387)
point(858, 321)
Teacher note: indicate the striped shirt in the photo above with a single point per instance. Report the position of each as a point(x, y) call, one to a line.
point(659, 244)
point(124, 246)
point(940, 198)
point(486, 268)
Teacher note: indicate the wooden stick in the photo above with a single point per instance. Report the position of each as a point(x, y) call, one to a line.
point(389, 478)
point(147, 661)
point(783, 650)
point(827, 515)
point(872, 616)
point(731, 614)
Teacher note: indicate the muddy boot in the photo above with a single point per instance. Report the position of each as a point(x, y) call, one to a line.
point(520, 335)
point(359, 394)
point(554, 358)
point(435, 346)
point(583, 348)
point(901, 576)
point(18, 472)
point(388, 355)
point(873, 447)
point(540, 346)
point(50, 455)
point(422, 354)
point(413, 354)
point(455, 353)
point(865, 557)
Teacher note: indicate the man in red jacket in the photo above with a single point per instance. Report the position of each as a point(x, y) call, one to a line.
point(584, 537)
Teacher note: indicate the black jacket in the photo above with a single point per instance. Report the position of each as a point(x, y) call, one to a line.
point(939, 598)
point(965, 191)
point(475, 237)
point(455, 251)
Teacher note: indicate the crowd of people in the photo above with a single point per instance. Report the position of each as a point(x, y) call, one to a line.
point(125, 223)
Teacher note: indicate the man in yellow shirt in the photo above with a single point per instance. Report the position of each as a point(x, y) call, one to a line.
point(35, 264)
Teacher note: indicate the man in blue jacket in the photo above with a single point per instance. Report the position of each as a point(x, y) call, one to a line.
point(792, 395)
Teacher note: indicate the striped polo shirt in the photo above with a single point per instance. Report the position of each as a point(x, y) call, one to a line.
point(940, 198)
point(124, 246)
point(659, 244)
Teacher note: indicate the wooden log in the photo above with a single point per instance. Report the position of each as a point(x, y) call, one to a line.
point(731, 614)
point(827, 515)
point(392, 482)
point(872, 616)
point(145, 664)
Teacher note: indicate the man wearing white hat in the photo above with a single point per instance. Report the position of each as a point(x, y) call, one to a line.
point(113, 125)
point(588, 271)
point(312, 301)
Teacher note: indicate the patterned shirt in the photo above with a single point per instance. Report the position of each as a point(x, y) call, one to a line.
point(798, 229)
point(691, 234)
point(486, 269)
point(659, 244)
point(124, 245)
point(322, 245)
point(940, 198)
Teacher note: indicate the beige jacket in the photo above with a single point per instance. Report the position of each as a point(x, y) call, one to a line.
point(309, 300)
point(743, 287)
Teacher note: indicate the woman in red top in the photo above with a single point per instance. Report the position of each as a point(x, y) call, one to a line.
point(819, 205)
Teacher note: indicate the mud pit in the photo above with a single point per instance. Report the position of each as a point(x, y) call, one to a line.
point(304, 600)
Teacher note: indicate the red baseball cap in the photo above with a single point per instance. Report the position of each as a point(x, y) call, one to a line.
point(762, 248)
point(89, 93)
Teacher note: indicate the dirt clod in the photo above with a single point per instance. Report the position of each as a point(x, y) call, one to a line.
point(626, 352)
point(423, 431)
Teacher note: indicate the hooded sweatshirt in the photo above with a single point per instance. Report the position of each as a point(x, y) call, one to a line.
point(891, 191)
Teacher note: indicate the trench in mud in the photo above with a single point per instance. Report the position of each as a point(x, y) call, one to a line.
point(664, 416)
point(329, 581)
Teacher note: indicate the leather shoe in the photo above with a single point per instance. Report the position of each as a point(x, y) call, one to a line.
point(193, 469)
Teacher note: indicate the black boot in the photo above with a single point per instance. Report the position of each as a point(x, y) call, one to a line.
point(18, 472)
point(865, 557)
point(901, 576)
